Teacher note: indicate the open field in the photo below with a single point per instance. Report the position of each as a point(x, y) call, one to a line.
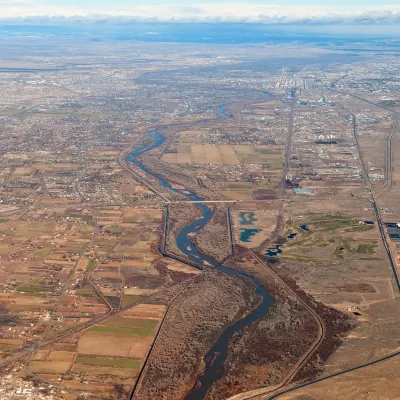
point(108, 353)
point(377, 381)
point(226, 155)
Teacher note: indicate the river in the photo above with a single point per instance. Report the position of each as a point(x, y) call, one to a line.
point(215, 358)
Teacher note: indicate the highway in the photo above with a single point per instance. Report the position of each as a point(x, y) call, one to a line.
point(277, 395)
point(389, 148)
point(265, 393)
point(381, 227)
point(375, 208)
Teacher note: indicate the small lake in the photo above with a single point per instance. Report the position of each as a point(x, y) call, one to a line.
point(216, 356)
point(247, 218)
point(247, 234)
point(222, 112)
point(274, 251)
point(266, 95)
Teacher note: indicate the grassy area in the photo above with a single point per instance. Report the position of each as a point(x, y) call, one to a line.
point(122, 322)
point(115, 229)
point(333, 224)
point(44, 114)
point(328, 217)
point(239, 185)
point(142, 331)
point(104, 114)
point(129, 299)
point(130, 220)
point(6, 346)
point(360, 228)
point(295, 257)
point(85, 292)
point(90, 266)
point(32, 289)
point(389, 103)
point(366, 249)
point(43, 253)
point(108, 362)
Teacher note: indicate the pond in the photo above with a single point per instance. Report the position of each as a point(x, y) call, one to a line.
point(247, 218)
point(247, 234)
point(274, 251)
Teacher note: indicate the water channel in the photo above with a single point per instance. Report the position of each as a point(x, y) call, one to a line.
point(215, 358)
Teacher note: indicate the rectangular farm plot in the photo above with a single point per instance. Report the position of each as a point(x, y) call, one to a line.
point(263, 154)
point(127, 326)
point(111, 344)
point(203, 154)
point(108, 362)
point(49, 367)
point(10, 344)
point(104, 370)
point(63, 356)
point(147, 325)
point(238, 190)
point(124, 336)
point(146, 311)
point(226, 155)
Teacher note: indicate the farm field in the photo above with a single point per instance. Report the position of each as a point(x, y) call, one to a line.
point(226, 155)
point(198, 216)
point(109, 354)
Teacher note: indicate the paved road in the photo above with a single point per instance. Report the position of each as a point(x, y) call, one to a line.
point(375, 208)
point(381, 227)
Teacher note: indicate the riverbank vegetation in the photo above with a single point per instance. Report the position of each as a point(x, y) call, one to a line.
point(194, 322)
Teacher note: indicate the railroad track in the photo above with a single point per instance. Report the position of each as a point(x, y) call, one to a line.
point(254, 253)
point(375, 208)
point(270, 392)
point(388, 184)
point(380, 224)
point(389, 156)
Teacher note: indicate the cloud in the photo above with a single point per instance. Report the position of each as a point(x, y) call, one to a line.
point(216, 12)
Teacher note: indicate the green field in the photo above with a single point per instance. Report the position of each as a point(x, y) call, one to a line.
point(109, 362)
point(122, 322)
point(129, 299)
point(130, 220)
point(90, 266)
point(85, 292)
point(142, 331)
point(366, 249)
point(239, 185)
point(44, 252)
point(360, 228)
point(32, 289)
point(115, 229)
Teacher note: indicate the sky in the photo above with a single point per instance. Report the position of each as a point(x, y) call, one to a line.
point(264, 11)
